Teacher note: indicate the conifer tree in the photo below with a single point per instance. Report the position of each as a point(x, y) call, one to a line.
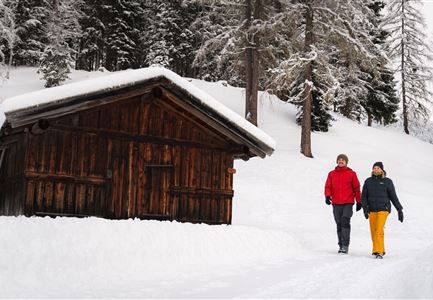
point(111, 34)
point(31, 28)
point(331, 47)
point(55, 66)
point(169, 40)
point(62, 27)
point(381, 102)
point(409, 50)
point(7, 37)
point(91, 42)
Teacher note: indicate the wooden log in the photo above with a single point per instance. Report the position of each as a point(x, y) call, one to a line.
point(70, 198)
point(141, 182)
point(47, 177)
point(48, 196)
point(59, 196)
point(40, 196)
point(31, 154)
point(131, 181)
point(145, 110)
point(52, 144)
point(89, 206)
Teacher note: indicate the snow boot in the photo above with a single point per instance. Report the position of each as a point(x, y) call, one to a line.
point(379, 255)
point(344, 250)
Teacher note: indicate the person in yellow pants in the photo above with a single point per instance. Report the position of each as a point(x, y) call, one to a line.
point(378, 193)
point(377, 226)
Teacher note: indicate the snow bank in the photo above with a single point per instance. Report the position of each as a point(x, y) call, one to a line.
point(81, 257)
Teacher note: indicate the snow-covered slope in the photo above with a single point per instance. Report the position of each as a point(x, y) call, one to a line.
point(282, 242)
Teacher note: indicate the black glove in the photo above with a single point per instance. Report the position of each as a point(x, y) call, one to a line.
point(400, 216)
point(358, 206)
point(366, 213)
point(328, 200)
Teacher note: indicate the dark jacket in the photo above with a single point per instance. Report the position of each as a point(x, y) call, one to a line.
point(378, 193)
point(343, 186)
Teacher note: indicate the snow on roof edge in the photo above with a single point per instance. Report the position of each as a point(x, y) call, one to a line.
point(124, 79)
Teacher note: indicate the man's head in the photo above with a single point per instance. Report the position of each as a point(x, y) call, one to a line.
point(342, 160)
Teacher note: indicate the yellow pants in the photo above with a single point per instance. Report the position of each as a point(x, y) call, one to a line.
point(377, 225)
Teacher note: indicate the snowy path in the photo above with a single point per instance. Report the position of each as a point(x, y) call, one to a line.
point(100, 258)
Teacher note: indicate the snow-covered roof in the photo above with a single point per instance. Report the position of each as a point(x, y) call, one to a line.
point(125, 79)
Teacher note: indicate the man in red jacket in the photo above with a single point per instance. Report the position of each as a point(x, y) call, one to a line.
point(342, 189)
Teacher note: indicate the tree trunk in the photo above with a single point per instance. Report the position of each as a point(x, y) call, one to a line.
point(251, 64)
point(308, 91)
point(369, 119)
point(403, 79)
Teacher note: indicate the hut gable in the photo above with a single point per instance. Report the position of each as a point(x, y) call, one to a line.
point(145, 150)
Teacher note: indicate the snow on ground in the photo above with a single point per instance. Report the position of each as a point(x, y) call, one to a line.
point(282, 243)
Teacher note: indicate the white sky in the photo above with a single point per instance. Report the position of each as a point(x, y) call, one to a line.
point(428, 14)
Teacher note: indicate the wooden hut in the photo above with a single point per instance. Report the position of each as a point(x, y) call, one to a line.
point(138, 144)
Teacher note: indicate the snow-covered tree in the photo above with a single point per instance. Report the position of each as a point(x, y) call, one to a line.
point(220, 52)
point(122, 34)
point(381, 102)
point(30, 23)
point(7, 37)
point(62, 29)
point(91, 43)
point(111, 34)
point(409, 49)
point(239, 40)
point(55, 67)
point(169, 40)
point(330, 52)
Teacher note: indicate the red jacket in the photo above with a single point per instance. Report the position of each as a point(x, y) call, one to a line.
point(343, 186)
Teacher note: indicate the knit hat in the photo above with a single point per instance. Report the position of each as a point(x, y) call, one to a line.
point(378, 164)
point(342, 156)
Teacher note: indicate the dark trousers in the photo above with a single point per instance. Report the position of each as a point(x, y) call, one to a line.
point(342, 215)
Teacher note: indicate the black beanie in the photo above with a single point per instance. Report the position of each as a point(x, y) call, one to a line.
point(378, 164)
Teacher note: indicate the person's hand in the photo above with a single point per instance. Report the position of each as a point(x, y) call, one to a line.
point(358, 206)
point(400, 216)
point(366, 213)
point(328, 200)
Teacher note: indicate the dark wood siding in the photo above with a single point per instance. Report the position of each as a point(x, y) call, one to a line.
point(11, 175)
point(143, 157)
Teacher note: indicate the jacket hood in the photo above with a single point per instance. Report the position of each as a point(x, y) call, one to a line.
point(337, 168)
point(383, 174)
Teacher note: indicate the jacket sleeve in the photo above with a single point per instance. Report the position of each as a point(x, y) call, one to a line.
point(393, 195)
point(364, 194)
point(328, 185)
point(356, 188)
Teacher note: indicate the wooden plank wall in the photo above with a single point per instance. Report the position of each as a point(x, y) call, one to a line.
point(11, 176)
point(143, 158)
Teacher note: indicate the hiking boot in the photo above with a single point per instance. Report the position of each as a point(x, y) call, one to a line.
point(344, 249)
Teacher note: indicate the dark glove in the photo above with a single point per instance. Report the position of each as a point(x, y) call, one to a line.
point(358, 206)
point(328, 200)
point(400, 216)
point(366, 213)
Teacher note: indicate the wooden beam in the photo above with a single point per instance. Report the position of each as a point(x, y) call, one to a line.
point(132, 137)
point(200, 191)
point(76, 104)
point(92, 180)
